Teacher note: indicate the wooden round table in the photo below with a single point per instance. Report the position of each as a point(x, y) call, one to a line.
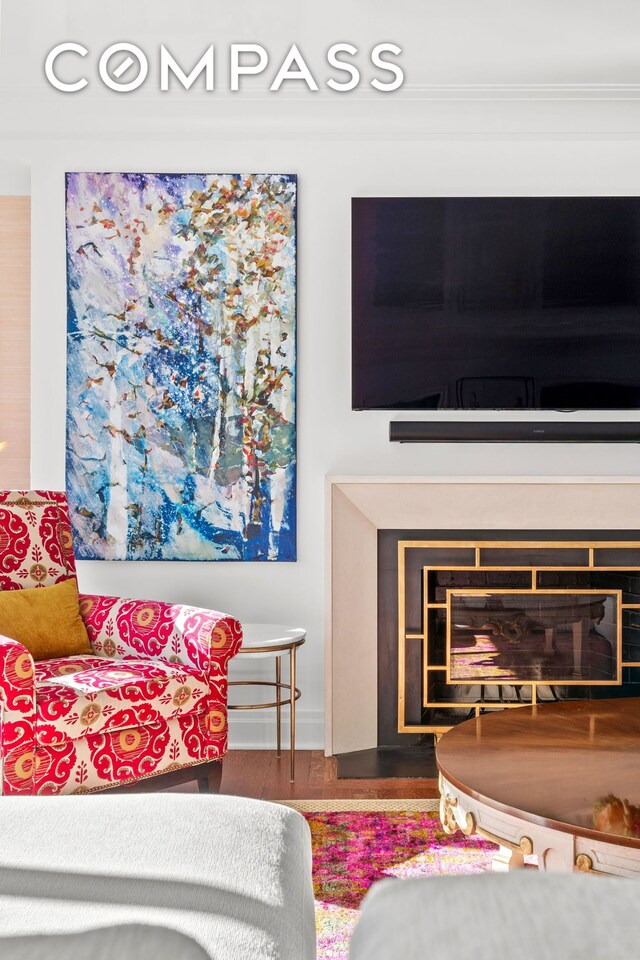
point(529, 779)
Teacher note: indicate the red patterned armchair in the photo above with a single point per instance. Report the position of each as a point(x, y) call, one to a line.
point(151, 699)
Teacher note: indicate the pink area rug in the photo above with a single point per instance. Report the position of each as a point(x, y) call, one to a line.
point(353, 850)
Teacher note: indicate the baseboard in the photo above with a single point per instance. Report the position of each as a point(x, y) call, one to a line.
point(256, 730)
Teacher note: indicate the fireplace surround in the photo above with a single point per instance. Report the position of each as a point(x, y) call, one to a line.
point(358, 508)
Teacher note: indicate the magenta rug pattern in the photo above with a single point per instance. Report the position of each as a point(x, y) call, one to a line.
point(353, 850)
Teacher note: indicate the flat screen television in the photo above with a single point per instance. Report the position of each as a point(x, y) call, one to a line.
point(496, 303)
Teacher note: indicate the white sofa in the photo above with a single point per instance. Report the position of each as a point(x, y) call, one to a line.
point(516, 916)
point(230, 876)
point(105, 943)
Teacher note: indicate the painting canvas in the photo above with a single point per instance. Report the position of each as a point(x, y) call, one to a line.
point(181, 366)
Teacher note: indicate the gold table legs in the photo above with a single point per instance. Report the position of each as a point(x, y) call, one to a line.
point(294, 697)
point(278, 707)
point(290, 700)
point(279, 704)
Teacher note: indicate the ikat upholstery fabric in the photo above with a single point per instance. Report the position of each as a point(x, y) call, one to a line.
point(78, 696)
point(36, 549)
point(151, 698)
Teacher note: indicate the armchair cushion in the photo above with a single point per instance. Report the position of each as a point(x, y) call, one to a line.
point(79, 696)
point(46, 621)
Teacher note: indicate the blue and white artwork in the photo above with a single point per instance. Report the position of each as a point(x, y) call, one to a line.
point(181, 366)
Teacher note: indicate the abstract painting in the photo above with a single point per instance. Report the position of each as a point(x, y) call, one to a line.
point(181, 366)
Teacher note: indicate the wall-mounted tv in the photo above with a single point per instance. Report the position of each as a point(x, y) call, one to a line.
point(496, 303)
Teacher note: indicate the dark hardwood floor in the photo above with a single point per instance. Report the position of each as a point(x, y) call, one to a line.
point(260, 774)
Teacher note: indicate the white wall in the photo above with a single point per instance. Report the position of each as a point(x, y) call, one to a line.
point(15, 178)
point(425, 145)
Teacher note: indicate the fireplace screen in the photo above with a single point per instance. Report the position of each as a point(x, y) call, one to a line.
point(543, 636)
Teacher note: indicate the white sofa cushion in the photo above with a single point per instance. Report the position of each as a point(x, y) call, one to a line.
point(233, 874)
point(127, 942)
point(517, 916)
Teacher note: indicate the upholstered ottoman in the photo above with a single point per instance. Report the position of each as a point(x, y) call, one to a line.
point(522, 915)
point(231, 874)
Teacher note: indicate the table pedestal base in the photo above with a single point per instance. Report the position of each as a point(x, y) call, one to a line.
point(518, 838)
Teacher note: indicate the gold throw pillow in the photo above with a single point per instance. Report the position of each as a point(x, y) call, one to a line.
point(46, 620)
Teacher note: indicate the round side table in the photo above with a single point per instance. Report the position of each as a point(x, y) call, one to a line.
point(273, 640)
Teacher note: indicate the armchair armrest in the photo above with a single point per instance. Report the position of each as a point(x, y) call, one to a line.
point(163, 631)
point(17, 716)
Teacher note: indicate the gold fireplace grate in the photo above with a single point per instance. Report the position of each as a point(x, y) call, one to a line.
point(534, 558)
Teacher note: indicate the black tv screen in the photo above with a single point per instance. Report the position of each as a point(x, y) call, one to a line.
point(496, 303)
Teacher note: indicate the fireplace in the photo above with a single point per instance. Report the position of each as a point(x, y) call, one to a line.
point(571, 538)
point(469, 623)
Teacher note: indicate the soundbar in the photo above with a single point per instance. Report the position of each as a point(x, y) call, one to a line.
point(513, 431)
